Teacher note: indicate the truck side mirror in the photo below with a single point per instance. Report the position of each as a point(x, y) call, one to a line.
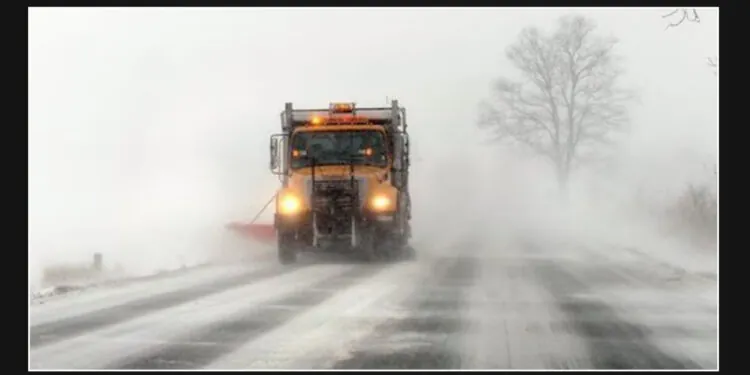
point(398, 148)
point(399, 167)
point(401, 151)
point(406, 151)
point(275, 162)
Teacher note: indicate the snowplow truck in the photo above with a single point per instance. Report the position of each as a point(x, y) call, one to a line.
point(344, 175)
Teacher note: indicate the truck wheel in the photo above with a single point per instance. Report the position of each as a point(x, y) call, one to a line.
point(389, 247)
point(400, 249)
point(408, 252)
point(400, 241)
point(367, 248)
point(287, 248)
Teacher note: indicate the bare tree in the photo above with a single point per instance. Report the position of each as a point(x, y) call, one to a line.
point(569, 102)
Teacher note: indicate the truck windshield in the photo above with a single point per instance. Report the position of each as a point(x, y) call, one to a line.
point(361, 147)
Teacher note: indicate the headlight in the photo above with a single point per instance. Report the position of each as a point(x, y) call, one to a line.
point(380, 202)
point(289, 204)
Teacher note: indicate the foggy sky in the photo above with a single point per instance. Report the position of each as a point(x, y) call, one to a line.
point(144, 118)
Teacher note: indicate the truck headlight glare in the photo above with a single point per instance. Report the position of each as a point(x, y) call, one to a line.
point(289, 204)
point(380, 202)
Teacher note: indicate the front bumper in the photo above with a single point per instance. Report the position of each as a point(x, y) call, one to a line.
point(303, 220)
point(284, 222)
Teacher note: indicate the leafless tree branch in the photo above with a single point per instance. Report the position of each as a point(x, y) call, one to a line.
point(690, 15)
point(713, 62)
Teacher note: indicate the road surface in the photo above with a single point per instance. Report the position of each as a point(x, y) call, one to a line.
point(512, 306)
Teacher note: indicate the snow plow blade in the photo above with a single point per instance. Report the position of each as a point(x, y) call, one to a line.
point(263, 233)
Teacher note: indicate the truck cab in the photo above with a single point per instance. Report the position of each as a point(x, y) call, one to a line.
point(344, 181)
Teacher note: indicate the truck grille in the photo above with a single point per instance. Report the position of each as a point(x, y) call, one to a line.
point(335, 195)
point(326, 186)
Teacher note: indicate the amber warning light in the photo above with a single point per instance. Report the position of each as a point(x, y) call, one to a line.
point(342, 107)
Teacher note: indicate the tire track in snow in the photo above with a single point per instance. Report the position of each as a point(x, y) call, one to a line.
point(325, 333)
point(146, 334)
point(428, 337)
point(103, 296)
point(613, 342)
point(51, 332)
point(223, 337)
point(513, 320)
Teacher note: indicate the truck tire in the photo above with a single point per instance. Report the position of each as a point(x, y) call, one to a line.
point(287, 249)
point(408, 252)
point(400, 249)
point(399, 241)
point(367, 246)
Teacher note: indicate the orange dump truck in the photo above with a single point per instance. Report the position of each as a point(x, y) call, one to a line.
point(344, 175)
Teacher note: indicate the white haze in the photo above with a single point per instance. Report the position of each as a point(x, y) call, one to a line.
point(149, 127)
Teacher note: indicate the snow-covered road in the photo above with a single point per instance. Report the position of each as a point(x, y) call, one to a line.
point(513, 306)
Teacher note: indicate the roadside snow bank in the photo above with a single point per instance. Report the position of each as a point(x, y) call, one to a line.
point(167, 252)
